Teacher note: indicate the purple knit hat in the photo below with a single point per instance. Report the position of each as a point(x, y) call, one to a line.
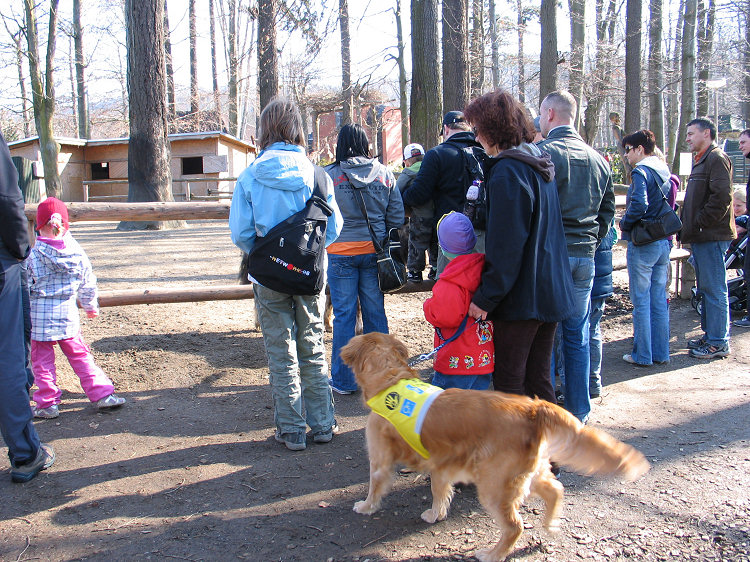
point(456, 234)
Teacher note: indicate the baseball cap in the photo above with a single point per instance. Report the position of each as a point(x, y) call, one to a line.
point(49, 207)
point(413, 149)
point(456, 234)
point(453, 117)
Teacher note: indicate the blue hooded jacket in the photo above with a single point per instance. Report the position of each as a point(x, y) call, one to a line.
point(275, 186)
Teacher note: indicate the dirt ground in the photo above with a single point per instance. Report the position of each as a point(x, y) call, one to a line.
point(189, 469)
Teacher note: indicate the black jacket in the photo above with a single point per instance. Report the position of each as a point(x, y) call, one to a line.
point(443, 177)
point(527, 274)
point(14, 234)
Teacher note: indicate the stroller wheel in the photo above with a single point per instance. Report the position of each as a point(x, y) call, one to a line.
point(696, 301)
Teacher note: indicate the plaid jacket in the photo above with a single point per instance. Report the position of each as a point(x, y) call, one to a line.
point(57, 276)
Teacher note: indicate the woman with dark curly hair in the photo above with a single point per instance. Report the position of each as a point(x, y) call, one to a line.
point(526, 286)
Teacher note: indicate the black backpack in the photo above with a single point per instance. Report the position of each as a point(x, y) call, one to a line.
point(290, 258)
point(474, 158)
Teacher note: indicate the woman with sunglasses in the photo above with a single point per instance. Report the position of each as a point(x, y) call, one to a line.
point(648, 264)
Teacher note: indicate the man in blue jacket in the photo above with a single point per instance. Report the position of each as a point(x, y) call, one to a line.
point(587, 203)
point(27, 455)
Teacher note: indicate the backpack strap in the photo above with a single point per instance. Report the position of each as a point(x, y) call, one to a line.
point(319, 188)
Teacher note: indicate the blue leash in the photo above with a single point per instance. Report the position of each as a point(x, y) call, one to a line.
point(431, 354)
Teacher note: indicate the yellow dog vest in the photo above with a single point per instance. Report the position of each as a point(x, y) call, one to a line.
point(405, 405)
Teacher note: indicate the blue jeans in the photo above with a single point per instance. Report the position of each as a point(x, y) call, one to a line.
point(711, 278)
point(467, 382)
point(595, 346)
point(293, 336)
point(648, 268)
point(16, 423)
point(575, 337)
point(349, 278)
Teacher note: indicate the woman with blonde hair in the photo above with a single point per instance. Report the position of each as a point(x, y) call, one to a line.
point(275, 186)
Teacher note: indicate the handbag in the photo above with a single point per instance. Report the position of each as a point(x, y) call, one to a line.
point(666, 224)
point(391, 268)
point(291, 257)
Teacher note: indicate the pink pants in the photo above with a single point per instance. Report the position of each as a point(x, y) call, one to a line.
point(95, 383)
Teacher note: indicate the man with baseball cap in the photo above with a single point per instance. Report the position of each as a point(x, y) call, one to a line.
point(421, 219)
point(444, 175)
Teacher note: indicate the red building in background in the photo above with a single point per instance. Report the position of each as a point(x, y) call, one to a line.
point(383, 126)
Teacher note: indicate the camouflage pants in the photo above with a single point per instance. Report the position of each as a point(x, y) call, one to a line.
point(422, 238)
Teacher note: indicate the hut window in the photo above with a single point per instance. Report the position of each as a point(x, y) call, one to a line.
point(192, 165)
point(100, 171)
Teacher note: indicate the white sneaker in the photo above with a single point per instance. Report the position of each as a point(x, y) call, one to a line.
point(46, 413)
point(111, 401)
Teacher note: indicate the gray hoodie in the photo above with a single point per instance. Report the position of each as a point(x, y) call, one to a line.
point(378, 187)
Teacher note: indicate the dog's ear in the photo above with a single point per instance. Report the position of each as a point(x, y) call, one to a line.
point(352, 351)
point(400, 349)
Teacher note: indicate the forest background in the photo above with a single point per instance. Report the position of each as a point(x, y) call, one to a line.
point(146, 68)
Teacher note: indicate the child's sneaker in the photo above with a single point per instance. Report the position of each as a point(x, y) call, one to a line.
point(46, 413)
point(293, 441)
point(111, 401)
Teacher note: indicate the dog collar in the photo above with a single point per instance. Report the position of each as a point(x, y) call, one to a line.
point(405, 405)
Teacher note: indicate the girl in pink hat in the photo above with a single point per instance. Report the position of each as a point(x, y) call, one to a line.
point(60, 272)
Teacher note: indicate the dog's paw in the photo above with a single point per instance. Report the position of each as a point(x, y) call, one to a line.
point(486, 555)
point(364, 507)
point(431, 516)
point(553, 526)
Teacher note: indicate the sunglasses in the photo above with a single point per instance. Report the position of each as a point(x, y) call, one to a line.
point(628, 149)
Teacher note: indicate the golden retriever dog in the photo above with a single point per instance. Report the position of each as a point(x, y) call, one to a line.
point(500, 442)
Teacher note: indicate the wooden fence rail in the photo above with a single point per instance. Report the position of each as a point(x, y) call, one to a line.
point(163, 211)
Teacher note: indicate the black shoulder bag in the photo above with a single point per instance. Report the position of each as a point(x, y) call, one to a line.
point(391, 268)
point(666, 224)
point(291, 257)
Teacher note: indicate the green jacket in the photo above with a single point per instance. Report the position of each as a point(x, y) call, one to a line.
point(707, 211)
point(584, 186)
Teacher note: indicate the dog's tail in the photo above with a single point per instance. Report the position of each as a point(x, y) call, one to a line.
point(585, 449)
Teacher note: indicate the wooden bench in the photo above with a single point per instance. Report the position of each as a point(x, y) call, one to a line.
point(677, 255)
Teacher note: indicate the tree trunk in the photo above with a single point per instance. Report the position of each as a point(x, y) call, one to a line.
point(214, 71)
point(655, 76)
point(601, 73)
point(521, 23)
point(477, 48)
point(193, 38)
point(705, 47)
point(171, 107)
point(673, 114)
point(346, 63)
point(494, 50)
point(402, 78)
point(633, 66)
point(268, 61)
point(149, 174)
point(455, 54)
point(426, 97)
point(43, 94)
point(233, 63)
point(548, 55)
point(687, 105)
point(72, 78)
point(84, 127)
point(22, 84)
point(577, 47)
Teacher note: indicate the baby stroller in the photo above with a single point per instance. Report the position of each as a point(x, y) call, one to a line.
point(734, 262)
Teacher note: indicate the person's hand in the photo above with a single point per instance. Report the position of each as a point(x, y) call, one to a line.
point(92, 313)
point(476, 312)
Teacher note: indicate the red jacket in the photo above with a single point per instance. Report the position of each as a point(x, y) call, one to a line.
point(473, 352)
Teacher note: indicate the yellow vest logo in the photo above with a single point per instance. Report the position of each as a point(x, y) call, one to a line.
point(404, 405)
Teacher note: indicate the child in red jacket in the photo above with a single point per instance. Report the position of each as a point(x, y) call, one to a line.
point(469, 360)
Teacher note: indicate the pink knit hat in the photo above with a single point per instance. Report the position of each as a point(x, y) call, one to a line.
point(49, 207)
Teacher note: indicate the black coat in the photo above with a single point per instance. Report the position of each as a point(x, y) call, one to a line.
point(14, 234)
point(443, 177)
point(527, 275)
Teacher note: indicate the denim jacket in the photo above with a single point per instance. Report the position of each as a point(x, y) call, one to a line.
point(646, 193)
